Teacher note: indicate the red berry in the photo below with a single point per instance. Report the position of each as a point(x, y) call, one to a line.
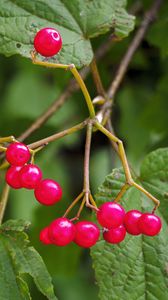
point(131, 222)
point(12, 177)
point(44, 236)
point(48, 192)
point(61, 231)
point(110, 215)
point(87, 234)
point(30, 175)
point(47, 42)
point(17, 154)
point(115, 235)
point(149, 224)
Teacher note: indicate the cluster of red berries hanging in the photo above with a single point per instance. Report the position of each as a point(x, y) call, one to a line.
point(115, 222)
point(22, 174)
point(111, 216)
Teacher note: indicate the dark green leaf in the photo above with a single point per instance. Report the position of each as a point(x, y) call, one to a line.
point(77, 21)
point(18, 258)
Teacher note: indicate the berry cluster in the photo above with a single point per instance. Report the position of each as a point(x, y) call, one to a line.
point(115, 222)
point(111, 216)
point(62, 231)
point(22, 174)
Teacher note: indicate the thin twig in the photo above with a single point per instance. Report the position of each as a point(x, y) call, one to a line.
point(79, 210)
point(106, 108)
point(4, 200)
point(101, 91)
point(46, 115)
point(86, 184)
point(97, 78)
point(110, 128)
point(73, 204)
point(105, 111)
point(149, 17)
point(58, 135)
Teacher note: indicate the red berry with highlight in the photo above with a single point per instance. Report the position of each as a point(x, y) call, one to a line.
point(48, 42)
point(62, 232)
point(115, 235)
point(48, 192)
point(110, 215)
point(131, 222)
point(44, 236)
point(149, 224)
point(87, 234)
point(12, 177)
point(30, 175)
point(17, 154)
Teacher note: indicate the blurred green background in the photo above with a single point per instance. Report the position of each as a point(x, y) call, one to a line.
point(139, 117)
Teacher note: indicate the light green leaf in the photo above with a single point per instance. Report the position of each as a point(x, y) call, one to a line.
point(76, 20)
point(154, 176)
point(137, 267)
point(13, 225)
point(18, 258)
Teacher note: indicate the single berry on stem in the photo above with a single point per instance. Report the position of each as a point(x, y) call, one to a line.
point(149, 224)
point(48, 192)
point(110, 215)
point(115, 235)
point(131, 222)
point(12, 177)
point(48, 42)
point(17, 154)
point(30, 175)
point(61, 232)
point(44, 236)
point(87, 234)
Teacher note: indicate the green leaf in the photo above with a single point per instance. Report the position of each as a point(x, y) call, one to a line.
point(154, 176)
point(77, 21)
point(137, 267)
point(18, 258)
point(13, 225)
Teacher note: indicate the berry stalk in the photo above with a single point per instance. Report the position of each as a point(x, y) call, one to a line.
point(77, 76)
point(58, 135)
point(4, 200)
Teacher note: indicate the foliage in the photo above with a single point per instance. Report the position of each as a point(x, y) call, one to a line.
point(136, 269)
